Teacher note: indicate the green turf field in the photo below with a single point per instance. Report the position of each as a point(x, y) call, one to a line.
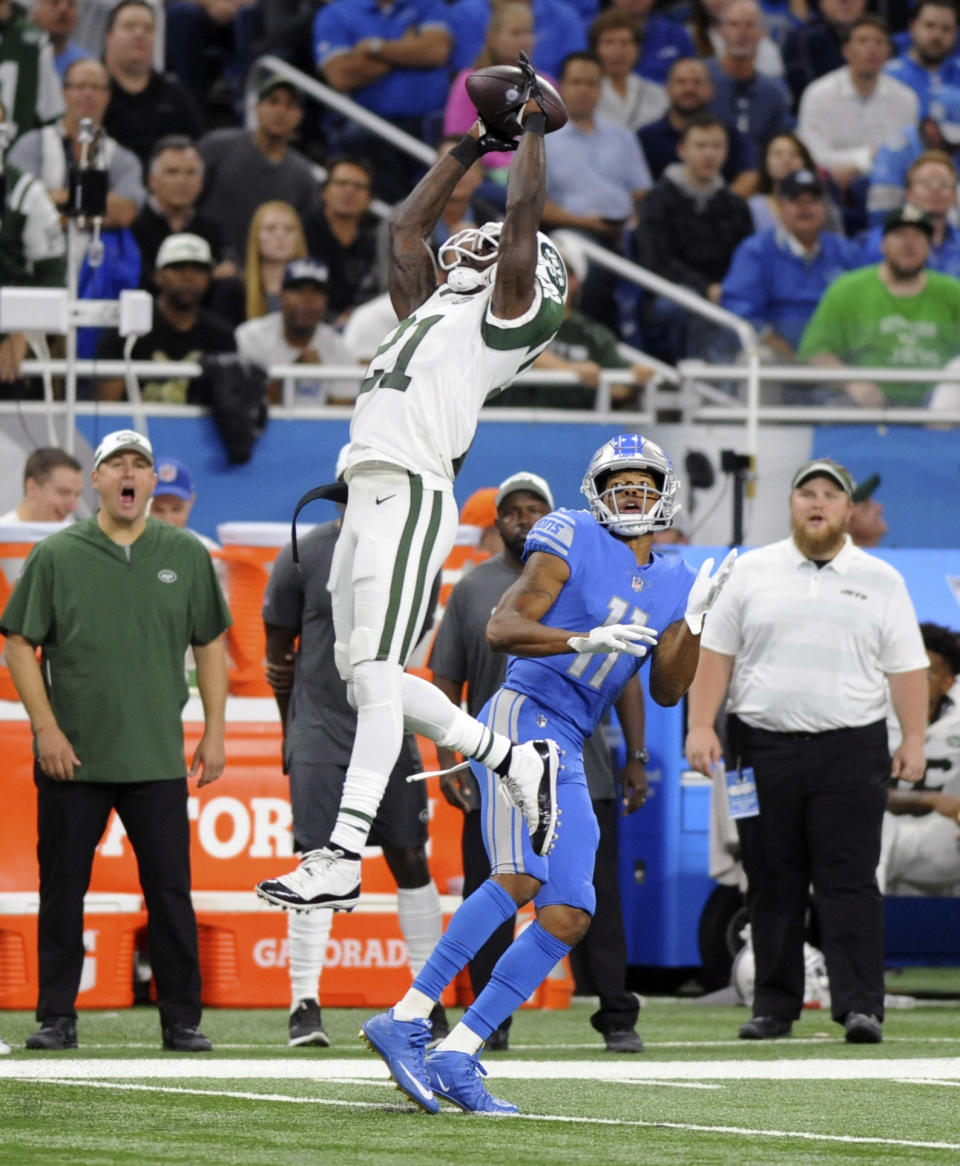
point(696, 1096)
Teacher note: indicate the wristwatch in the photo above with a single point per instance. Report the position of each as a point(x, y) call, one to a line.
point(374, 44)
point(638, 755)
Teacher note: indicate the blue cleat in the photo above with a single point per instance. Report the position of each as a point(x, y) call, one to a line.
point(458, 1077)
point(402, 1045)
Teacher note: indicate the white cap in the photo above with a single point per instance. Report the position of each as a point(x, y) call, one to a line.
point(524, 480)
point(184, 248)
point(120, 440)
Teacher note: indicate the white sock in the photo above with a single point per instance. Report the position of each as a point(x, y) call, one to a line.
point(307, 936)
point(376, 747)
point(427, 711)
point(414, 1005)
point(421, 922)
point(461, 1040)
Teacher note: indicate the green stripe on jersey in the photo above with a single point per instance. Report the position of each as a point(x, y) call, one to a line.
point(536, 331)
point(413, 623)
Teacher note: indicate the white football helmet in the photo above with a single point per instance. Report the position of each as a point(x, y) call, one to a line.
point(816, 983)
point(457, 256)
point(631, 451)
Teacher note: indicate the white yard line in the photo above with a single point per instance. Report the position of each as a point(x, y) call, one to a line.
point(688, 1127)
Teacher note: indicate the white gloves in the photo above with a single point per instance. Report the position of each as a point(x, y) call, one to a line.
point(705, 589)
point(616, 637)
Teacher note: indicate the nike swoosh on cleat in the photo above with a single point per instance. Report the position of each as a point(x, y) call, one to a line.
point(418, 1086)
point(443, 1085)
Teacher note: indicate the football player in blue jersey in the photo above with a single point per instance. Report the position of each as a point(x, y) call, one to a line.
point(584, 569)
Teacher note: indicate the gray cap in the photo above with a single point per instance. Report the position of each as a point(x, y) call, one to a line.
point(524, 480)
point(824, 468)
point(120, 441)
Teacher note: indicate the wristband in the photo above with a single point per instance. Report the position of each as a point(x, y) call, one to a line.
point(466, 151)
point(638, 755)
point(535, 123)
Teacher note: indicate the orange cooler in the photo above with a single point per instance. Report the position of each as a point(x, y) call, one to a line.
point(110, 924)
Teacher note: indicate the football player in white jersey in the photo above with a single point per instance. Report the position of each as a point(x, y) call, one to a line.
point(464, 334)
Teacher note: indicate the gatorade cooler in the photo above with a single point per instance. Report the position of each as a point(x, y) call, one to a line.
point(244, 954)
point(110, 924)
point(249, 550)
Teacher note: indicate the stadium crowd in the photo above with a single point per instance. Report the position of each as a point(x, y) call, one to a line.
point(756, 152)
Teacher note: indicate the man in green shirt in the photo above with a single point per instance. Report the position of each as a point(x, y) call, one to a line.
point(896, 314)
point(113, 602)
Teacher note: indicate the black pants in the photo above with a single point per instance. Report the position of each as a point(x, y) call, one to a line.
point(71, 818)
point(822, 798)
point(600, 957)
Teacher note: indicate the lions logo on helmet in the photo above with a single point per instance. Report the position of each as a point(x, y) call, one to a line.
point(631, 451)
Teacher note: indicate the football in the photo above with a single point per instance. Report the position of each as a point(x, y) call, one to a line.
point(495, 89)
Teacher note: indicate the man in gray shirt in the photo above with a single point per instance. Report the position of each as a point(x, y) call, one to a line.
point(318, 730)
point(461, 656)
point(244, 168)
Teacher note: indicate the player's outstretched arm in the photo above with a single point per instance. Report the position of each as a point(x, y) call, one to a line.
point(526, 192)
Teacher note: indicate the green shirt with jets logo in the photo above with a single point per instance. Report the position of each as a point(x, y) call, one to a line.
point(113, 623)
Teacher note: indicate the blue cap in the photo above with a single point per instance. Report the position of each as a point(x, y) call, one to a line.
point(173, 477)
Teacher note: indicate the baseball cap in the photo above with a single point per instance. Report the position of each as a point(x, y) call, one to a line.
point(908, 216)
point(184, 248)
point(864, 490)
point(306, 271)
point(480, 509)
point(800, 182)
point(121, 440)
point(524, 481)
point(944, 109)
point(267, 86)
point(824, 468)
point(173, 477)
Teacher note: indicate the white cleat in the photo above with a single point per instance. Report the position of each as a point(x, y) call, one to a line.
point(324, 878)
point(531, 785)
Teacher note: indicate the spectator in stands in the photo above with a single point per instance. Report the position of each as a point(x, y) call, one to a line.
point(211, 41)
point(690, 91)
point(393, 62)
point(705, 29)
point(560, 27)
point(297, 334)
point(662, 41)
point(341, 235)
point(33, 252)
point(144, 104)
point(52, 154)
point(816, 46)
point(626, 98)
point(755, 104)
point(931, 186)
point(867, 524)
point(58, 19)
point(31, 88)
point(929, 64)
point(175, 179)
point(244, 168)
point(510, 31)
point(784, 154)
point(895, 315)
point(174, 496)
point(596, 172)
point(777, 277)
point(690, 226)
point(52, 486)
point(848, 114)
point(182, 330)
point(938, 130)
point(275, 237)
point(919, 852)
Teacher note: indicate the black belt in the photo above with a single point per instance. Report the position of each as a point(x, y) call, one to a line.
point(802, 735)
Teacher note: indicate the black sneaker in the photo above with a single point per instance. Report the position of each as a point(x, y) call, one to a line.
point(498, 1041)
point(56, 1032)
point(765, 1028)
point(439, 1025)
point(862, 1028)
point(181, 1038)
point(306, 1025)
point(623, 1040)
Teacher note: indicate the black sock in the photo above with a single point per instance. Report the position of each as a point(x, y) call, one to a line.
point(504, 766)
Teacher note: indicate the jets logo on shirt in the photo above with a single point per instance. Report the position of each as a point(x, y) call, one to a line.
point(167, 576)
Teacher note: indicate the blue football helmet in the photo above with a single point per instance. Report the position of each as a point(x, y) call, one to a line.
point(631, 451)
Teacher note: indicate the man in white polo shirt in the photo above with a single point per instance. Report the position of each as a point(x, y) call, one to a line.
point(804, 640)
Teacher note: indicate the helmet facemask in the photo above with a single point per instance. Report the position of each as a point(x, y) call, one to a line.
point(459, 256)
